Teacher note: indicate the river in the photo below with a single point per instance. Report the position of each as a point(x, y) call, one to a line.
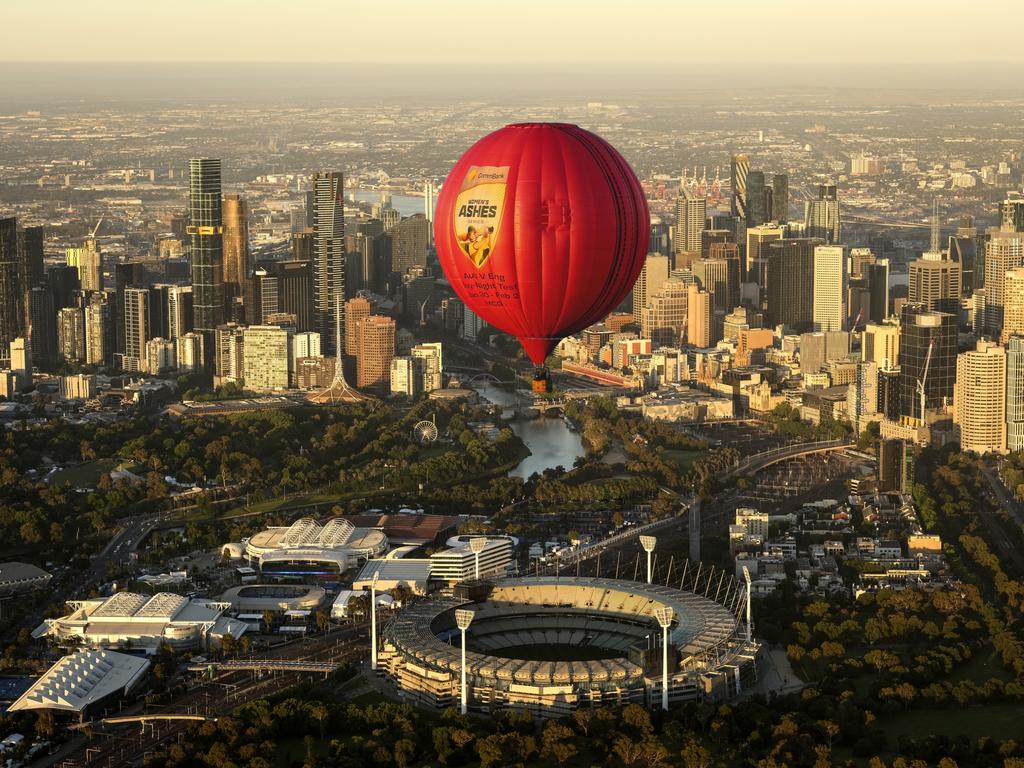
point(550, 441)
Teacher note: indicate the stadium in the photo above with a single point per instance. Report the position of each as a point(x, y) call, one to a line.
point(305, 549)
point(551, 645)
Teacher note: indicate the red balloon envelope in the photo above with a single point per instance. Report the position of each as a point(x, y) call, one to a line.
point(542, 229)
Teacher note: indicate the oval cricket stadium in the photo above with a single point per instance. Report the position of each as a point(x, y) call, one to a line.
point(551, 644)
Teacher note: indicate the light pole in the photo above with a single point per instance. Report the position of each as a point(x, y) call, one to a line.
point(463, 618)
point(476, 546)
point(648, 542)
point(373, 622)
point(665, 614)
point(746, 578)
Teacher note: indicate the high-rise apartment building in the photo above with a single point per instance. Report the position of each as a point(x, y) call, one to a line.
point(830, 285)
point(1013, 303)
point(236, 245)
point(189, 352)
point(99, 329)
point(935, 282)
point(71, 334)
point(329, 258)
point(229, 356)
point(978, 397)
point(206, 228)
point(88, 260)
point(136, 328)
point(428, 361)
point(376, 348)
point(822, 217)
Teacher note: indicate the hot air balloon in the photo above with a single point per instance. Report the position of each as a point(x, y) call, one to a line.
point(541, 229)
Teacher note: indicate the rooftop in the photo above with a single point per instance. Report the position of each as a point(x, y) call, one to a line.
point(81, 679)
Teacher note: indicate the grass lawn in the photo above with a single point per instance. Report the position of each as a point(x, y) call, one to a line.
point(85, 474)
point(981, 668)
point(684, 460)
point(997, 721)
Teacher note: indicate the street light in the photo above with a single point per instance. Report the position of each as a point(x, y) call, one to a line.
point(476, 546)
point(648, 542)
point(664, 615)
point(463, 618)
point(373, 622)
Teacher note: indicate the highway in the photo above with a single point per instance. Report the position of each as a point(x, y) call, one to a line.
point(1007, 551)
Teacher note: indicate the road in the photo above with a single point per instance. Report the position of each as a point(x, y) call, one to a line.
point(997, 533)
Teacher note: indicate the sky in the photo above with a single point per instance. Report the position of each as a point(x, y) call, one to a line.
point(508, 32)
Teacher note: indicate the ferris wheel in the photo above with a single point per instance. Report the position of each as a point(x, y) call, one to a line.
point(424, 432)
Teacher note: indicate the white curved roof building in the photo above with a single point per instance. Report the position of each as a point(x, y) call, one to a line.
point(306, 548)
point(128, 619)
point(84, 680)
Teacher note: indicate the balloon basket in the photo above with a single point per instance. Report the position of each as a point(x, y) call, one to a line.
point(541, 381)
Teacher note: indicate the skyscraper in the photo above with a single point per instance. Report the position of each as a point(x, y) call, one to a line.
point(89, 262)
point(268, 360)
point(935, 282)
point(281, 286)
point(1015, 393)
point(698, 317)
point(780, 198)
point(921, 329)
point(791, 283)
point(329, 257)
point(236, 245)
point(71, 334)
point(756, 213)
point(409, 240)
point(376, 348)
point(30, 269)
point(99, 337)
point(651, 277)
point(878, 286)
point(691, 217)
point(881, 345)
point(830, 281)
point(821, 216)
point(136, 328)
point(429, 198)
point(43, 324)
point(180, 313)
point(664, 318)
point(10, 322)
point(207, 230)
point(355, 310)
point(740, 168)
point(978, 398)
point(1003, 251)
point(756, 268)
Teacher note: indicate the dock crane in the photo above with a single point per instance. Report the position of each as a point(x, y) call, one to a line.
point(924, 378)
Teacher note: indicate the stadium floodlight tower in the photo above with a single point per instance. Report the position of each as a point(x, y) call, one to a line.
point(648, 542)
point(746, 578)
point(373, 621)
point(463, 618)
point(664, 615)
point(476, 546)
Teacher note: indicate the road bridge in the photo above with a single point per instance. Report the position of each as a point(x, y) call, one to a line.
point(753, 464)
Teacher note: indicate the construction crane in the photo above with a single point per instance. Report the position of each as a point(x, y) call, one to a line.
point(924, 378)
point(92, 235)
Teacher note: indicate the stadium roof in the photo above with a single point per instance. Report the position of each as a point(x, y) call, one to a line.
point(407, 529)
point(81, 679)
point(403, 570)
point(14, 575)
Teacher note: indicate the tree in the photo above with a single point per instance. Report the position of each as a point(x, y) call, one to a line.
point(404, 751)
point(556, 743)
